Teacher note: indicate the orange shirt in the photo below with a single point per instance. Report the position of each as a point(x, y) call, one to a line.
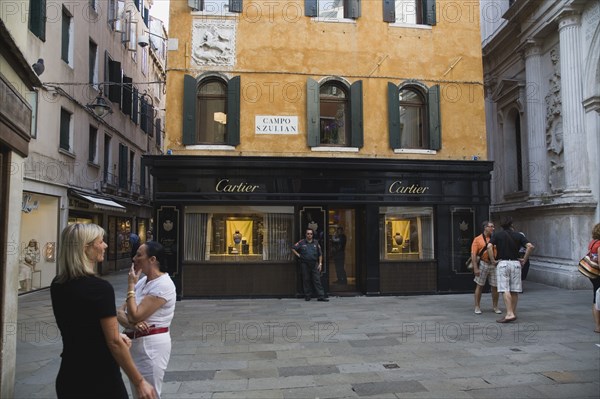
point(478, 244)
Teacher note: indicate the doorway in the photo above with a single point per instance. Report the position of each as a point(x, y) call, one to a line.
point(341, 250)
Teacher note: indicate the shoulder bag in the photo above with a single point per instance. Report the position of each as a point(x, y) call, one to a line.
point(587, 266)
point(468, 263)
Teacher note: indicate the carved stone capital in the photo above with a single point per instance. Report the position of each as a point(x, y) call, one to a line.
point(568, 17)
point(531, 48)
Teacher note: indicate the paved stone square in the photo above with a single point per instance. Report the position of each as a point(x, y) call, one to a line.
point(430, 346)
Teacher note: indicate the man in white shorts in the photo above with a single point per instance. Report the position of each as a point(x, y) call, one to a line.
point(508, 265)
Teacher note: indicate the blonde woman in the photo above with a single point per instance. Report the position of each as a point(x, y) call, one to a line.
point(148, 311)
point(85, 312)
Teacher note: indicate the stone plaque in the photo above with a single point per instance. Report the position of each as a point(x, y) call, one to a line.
point(213, 42)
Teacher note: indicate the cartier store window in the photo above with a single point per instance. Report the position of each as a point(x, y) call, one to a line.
point(238, 234)
point(406, 233)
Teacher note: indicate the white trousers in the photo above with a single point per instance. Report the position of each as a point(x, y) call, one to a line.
point(151, 356)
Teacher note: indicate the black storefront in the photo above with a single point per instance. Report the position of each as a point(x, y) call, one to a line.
point(228, 223)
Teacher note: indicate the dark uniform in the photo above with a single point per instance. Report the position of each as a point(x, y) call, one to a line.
point(309, 260)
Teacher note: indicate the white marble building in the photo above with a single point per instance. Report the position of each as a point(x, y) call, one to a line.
point(541, 63)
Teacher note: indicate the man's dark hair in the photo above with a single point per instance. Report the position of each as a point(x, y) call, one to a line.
point(507, 223)
point(484, 225)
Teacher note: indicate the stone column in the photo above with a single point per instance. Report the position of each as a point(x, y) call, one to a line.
point(575, 153)
point(536, 121)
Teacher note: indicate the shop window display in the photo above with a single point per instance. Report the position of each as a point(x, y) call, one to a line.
point(240, 234)
point(27, 267)
point(122, 229)
point(37, 241)
point(406, 233)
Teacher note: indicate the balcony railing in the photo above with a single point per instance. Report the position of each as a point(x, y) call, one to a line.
point(133, 189)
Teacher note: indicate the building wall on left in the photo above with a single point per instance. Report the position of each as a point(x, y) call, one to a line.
point(16, 80)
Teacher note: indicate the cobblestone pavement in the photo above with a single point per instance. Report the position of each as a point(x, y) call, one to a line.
point(430, 346)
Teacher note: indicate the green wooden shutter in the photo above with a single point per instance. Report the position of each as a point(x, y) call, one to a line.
point(393, 116)
point(143, 115)
point(37, 18)
point(352, 9)
point(389, 11)
point(42, 21)
point(189, 110)
point(150, 108)
point(194, 4)
point(313, 114)
point(311, 8)
point(65, 37)
point(65, 129)
point(123, 152)
point(236, 6)
point(356, 114)
point(115, 75)
point(233, 111)
point(143, 176)
point(135, 106)
point(127, 102)
point(158, 130)
point(435, 126)
point(429, 12)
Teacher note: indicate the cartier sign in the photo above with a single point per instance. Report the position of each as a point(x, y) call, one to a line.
point(398, 187)
point(225, 186)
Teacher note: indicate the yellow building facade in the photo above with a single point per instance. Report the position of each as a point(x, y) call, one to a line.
point(278, 48)
point(363, 115)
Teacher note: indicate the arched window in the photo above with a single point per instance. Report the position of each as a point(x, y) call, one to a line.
point(421, 12)
point(335, 114)
point(414, 117)
point(413, 128)
point(211, 112)
point(409, 11)
point(332, 10)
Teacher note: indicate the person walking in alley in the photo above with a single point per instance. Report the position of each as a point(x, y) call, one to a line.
point(508, 265)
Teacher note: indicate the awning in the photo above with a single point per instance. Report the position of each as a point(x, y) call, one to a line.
point(101, 203)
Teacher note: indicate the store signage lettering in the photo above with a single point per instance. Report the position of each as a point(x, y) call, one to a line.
point(223, 186)
point(398, 188)
point(271, 124)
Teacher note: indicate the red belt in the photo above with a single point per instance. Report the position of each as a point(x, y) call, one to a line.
point(151, 331)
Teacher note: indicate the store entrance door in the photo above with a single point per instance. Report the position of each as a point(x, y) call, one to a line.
point(341, 250)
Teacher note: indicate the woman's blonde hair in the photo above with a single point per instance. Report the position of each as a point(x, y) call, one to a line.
point(72, 259)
